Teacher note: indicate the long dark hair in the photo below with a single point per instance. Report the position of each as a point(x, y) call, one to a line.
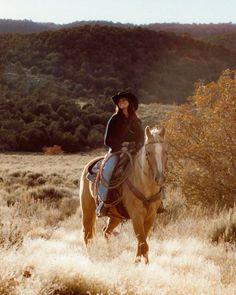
point(131, 111)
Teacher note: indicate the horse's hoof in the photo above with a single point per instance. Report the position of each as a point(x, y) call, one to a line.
point(106, 235)
point(146, 260)
point(137, 259)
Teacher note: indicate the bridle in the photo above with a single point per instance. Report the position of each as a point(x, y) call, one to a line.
point(147, 153)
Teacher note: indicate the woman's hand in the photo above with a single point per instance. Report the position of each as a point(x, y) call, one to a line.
point(125, 144)
point(124, 149)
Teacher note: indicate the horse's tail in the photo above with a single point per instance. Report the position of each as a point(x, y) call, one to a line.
point(88, 207)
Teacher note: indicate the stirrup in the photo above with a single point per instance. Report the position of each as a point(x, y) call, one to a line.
point(101, 210)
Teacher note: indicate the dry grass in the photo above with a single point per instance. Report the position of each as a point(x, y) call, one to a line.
point(42, 252)
point(153, 113)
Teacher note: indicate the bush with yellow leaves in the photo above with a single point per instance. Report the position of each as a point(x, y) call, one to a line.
point(202, 140)
point(53, 150)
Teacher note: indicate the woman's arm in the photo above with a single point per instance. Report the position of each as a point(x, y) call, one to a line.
point(112, 138)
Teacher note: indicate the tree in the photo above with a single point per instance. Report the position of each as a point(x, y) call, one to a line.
point(202, 137)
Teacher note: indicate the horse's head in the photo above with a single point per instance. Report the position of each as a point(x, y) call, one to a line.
point(156, 152)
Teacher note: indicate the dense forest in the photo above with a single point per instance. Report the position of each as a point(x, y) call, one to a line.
point(55, 86)
point(227, 40)
point(24, 26)
point(223, 34)
point(195, 30)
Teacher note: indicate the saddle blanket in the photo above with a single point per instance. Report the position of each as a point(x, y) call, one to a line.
point(93, 169)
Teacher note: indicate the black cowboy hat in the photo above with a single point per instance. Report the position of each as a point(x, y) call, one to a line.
point(131, 98)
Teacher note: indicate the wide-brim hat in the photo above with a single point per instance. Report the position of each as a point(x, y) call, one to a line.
point(131, 98)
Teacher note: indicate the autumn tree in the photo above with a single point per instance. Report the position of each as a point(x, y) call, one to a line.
point(202, 138)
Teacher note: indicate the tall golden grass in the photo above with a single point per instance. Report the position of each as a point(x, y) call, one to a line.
point(41, 250)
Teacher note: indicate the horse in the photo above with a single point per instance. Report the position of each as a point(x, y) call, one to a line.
point(141, 192)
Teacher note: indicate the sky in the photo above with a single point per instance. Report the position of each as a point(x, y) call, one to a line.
point(124, 11)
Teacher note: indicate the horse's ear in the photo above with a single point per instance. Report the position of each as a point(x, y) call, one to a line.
point(148, 133)
point(162, 132)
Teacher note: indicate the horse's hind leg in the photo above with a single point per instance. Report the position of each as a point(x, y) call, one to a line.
point(88, 207)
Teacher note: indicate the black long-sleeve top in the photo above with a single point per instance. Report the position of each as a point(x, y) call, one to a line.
point(120, 129)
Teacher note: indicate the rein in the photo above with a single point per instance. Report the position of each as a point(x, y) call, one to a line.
point(117, 182)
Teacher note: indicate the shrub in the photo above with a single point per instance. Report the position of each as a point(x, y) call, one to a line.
point(95, 138)
point(53, 150)
point(49, 193)
point(224, 230)
point(201, 135)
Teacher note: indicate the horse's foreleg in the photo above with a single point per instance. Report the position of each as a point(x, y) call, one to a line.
point(88, 210)
point(142, 249)
point(110, 226)
point(150, 218)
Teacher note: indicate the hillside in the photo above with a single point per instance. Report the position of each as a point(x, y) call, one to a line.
point(217, 34)
point(227, 40)
point(29, 26)
point(24, 26)
point(195, 30)
point(92, 60)
point(42, 251)
point(222, 34)
point(55, 86)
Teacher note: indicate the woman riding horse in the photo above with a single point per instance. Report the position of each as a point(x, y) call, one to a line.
point(141, 192)
point(123, 128)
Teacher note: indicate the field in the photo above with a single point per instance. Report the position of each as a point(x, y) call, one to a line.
point(42, 252)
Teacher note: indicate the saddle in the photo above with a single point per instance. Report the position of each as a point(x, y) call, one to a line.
point(93, 175)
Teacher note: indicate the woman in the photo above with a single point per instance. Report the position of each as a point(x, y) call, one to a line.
point(123, 132)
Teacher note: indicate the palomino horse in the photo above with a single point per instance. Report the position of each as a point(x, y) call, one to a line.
point(140, 192)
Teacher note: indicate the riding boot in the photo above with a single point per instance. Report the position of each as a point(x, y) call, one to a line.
point(101, 210)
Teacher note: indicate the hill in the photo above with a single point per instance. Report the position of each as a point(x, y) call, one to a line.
point(223, 34)
point(95, 60)
point(195, 30)
point(29, 26)
point(25, 26)
point(227, 40)
point(55, 86)
point(217, 34)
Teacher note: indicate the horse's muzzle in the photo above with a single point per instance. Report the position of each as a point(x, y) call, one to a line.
point(160, 178)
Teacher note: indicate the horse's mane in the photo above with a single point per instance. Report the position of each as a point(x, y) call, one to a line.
point(158, 134)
